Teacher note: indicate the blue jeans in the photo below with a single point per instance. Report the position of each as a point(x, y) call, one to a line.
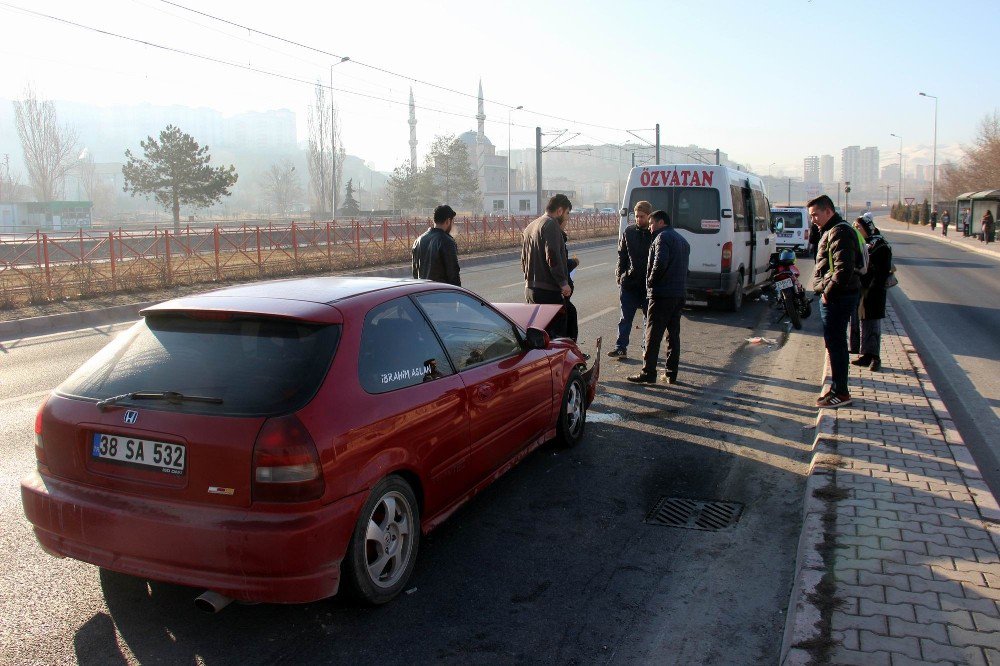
point(836, 316)
point(631, 301)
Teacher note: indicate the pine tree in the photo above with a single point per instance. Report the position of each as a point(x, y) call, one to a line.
point(925, 212)
point(175, 171)
point(351, 206)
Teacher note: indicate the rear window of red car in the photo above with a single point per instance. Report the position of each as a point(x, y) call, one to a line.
point(257, 366)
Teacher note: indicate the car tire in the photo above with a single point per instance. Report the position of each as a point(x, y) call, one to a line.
point(383, 547)
point(735, 301)
point(572, 412)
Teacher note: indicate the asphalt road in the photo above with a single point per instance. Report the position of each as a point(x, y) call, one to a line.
point(949, 301)
point(552, 564)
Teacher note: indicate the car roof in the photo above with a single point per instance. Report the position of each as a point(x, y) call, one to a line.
point(306, 299)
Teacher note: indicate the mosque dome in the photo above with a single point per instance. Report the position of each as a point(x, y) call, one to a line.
point(469, 138)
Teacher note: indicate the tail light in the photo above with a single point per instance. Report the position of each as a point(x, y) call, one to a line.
point(727, 257)
point(39, 449)
point(286, 463)
point(805, 234)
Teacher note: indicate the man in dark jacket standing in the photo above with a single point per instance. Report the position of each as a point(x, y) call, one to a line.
point(435, 254)
point(666, 285)
point(544, 260)
point(633, 253)
point(836, 279)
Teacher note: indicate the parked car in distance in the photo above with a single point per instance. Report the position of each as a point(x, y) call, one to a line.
point(794, 232)
point(279, 441)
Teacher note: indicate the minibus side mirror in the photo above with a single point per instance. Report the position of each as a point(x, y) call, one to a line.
point(778, 226)
point(624, 212)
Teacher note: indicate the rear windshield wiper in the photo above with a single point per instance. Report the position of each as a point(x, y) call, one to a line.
point(173, 397)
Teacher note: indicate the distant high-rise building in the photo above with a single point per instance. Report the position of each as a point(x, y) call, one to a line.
point(868, 166)
point(826, 169)
point(890, 173)
point(919, 172)
point(850, 159)
point(810, 169)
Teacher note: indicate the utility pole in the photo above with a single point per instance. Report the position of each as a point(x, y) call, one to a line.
point(789, 190)
point(538, 170)
point(887, 188)
point(657, 143)
point(717, 157)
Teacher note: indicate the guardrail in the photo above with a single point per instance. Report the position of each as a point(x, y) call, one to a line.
point(41, 267)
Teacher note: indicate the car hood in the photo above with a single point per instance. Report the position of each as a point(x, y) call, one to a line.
point(528, 315)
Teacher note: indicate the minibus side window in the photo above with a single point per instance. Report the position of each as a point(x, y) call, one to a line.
point(740, 222)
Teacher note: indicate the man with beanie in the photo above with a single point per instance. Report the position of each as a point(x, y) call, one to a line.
point(837, 282)
point(435, 253)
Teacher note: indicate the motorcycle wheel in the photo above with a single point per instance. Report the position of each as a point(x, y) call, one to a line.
point(790, 308)
point(805, 310)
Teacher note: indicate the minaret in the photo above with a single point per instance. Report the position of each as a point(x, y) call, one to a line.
point(481, 140)
point(413, 132)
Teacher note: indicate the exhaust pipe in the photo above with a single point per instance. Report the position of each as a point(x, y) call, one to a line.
point(212, 602)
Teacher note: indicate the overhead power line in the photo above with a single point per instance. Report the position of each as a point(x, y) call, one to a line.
point(380, 69)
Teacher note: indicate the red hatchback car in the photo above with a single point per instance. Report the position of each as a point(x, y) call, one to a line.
point(269, 442)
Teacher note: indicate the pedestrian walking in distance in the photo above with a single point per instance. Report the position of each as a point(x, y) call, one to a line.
point(666, 285)
point(435, 253)
point(633, 254)
point(837, 282)
point(934, 219)
point(945, 221)
point(988, 228)
point(873, 294)
point(544, 260)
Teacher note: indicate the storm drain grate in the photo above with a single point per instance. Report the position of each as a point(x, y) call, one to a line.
point(695, 514)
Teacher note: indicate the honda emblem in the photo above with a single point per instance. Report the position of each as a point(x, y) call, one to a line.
point(131, 416)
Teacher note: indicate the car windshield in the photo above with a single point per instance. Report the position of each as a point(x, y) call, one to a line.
point(256, 366)
point(791, 220)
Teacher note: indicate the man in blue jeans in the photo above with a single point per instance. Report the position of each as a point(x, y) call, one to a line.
point(633, 253)
point(837, 282)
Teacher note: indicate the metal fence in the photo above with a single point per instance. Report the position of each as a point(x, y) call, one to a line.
point(40, 267)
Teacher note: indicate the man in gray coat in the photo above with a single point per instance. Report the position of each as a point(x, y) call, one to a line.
point(544, 260)
point(435, 253)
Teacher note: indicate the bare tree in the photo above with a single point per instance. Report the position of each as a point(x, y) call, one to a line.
point(10, 181)
point(280, 186)
point(326, 152)
point(49, 149)
point(97, 190)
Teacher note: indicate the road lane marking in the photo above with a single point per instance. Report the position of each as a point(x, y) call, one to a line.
point(598, 314)
point(513, 284)
point(603, 263)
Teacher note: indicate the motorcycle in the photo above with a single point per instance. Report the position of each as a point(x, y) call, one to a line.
point(790, 295)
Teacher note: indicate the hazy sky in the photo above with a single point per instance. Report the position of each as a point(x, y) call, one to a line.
point(768, 82)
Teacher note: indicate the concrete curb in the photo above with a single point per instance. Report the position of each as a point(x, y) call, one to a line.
point(803, 616)
point(68, 321)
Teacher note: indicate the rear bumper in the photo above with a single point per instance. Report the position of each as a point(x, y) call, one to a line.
point(250, 555)
point(701, 286)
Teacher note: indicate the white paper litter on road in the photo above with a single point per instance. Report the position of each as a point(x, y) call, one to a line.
point(761, 341)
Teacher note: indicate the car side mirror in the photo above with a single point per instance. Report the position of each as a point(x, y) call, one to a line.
point(624, 212)
point(536, 338)
point(778, 226)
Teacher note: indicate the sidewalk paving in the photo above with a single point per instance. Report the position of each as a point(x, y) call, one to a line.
point(899, 560)
point(953, 238)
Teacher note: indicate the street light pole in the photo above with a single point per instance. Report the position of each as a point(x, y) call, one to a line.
point(934, 166)
point(900, 190)
point(509, 112)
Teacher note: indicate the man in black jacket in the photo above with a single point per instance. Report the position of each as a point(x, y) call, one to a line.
point(837, 280)
point(666, 285)
point(435, 254)
point(633, 253)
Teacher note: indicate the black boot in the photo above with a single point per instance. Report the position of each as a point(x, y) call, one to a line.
point(876, 364)
point(862, 361)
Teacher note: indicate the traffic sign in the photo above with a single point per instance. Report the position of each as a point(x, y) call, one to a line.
point(909, 200)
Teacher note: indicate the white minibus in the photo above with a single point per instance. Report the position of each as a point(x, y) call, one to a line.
point(725, 216)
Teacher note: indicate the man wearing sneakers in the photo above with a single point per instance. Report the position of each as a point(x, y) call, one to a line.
point(633, 252)
point(666, 285)
point(837, 282)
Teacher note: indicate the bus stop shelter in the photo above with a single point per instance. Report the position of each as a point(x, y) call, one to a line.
point(977, 203)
